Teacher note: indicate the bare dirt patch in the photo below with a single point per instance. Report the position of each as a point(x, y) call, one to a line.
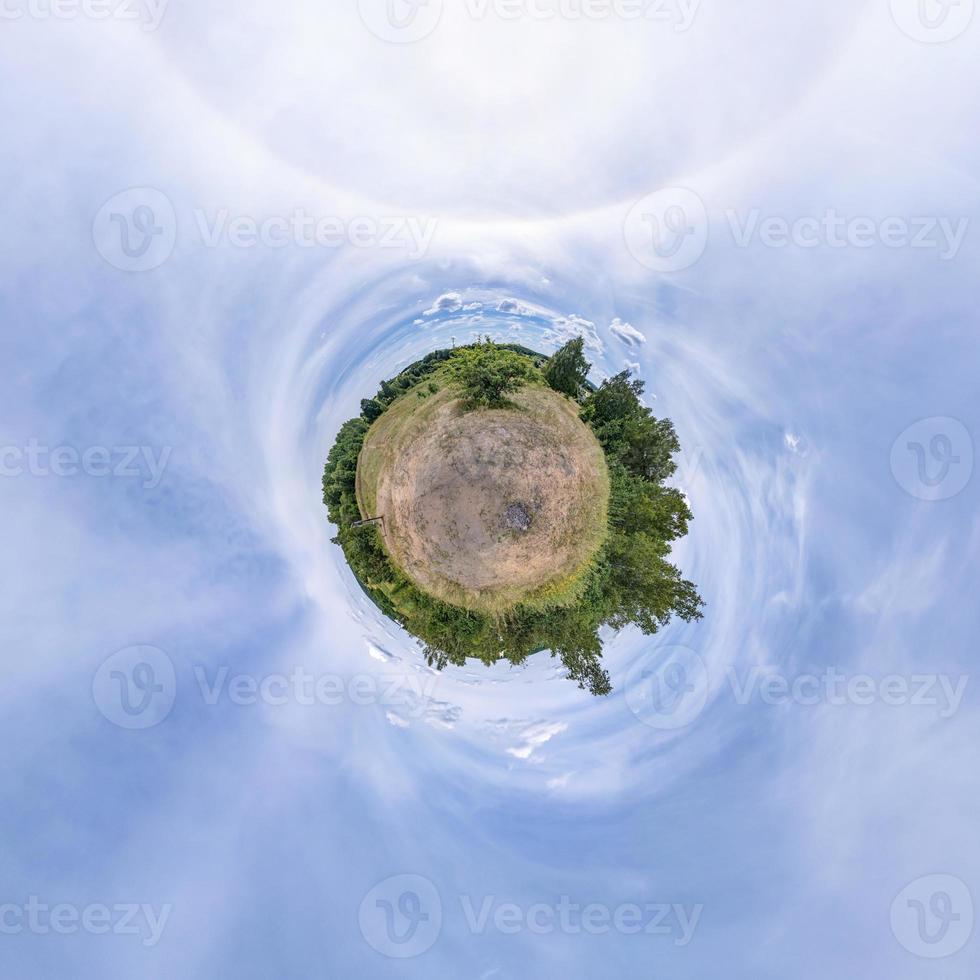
point(487, 508)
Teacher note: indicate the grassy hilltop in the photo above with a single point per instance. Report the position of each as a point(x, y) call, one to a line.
point(523, 508)
point(445, 479)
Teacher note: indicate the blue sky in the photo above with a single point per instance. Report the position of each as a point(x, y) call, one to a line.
point(223, 228)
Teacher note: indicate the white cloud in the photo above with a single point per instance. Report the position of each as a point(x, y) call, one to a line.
point(378, 654)
point(626, 333)
point(566, 328)
point(446, 303)
point(795, 443)
point(534, 736)
point(559, 782)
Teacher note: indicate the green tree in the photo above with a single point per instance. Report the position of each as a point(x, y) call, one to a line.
point(616, 398)
point(637, 505)
point(485, 373)
point(628, 430)
point(567, 370)
point(371, 408)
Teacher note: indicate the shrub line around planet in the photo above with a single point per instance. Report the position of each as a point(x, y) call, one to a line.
point(516, 507)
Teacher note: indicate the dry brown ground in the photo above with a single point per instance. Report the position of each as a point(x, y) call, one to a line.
point(444, 478)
